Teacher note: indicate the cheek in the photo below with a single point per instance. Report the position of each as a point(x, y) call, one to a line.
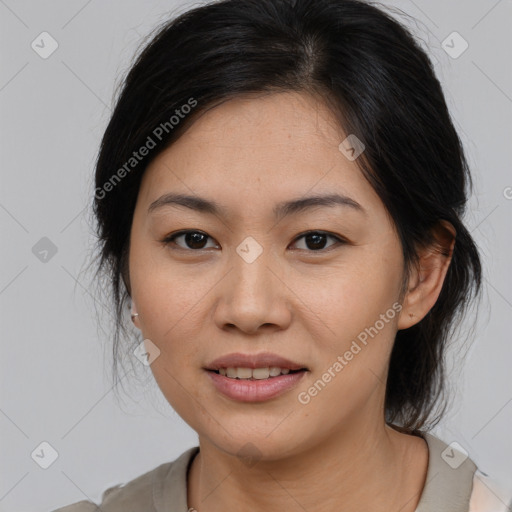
point(165, 303)
point(357, 303)
point(168, 296)
point(350, 296)
point(168, 305)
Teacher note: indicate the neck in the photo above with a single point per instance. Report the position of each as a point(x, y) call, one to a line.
point(369, 466)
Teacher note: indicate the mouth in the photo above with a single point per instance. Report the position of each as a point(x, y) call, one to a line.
point(268, 372)
point(254, 377)
point(254, 366)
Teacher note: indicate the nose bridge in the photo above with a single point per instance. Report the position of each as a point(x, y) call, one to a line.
point(251, 274)
point(252, 295)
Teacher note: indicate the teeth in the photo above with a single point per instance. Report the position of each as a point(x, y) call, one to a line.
point(256, 373)
point(275, 371)
point(243, 373)
point(259, 373)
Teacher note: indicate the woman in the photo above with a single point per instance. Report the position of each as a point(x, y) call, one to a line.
point(279, 196)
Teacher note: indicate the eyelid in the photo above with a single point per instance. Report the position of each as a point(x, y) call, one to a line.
point(328, 234)
point(168, 239)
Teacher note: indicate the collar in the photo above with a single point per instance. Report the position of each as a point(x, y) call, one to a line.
point(447, 487)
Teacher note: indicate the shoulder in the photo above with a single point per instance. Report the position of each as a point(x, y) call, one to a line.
point(488, 496)
point(135, 493)
point(449, 477)
point(141, 492)
point(454, 482)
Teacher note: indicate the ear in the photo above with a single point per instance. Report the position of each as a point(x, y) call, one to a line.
point(135, 316)
point(426, 280)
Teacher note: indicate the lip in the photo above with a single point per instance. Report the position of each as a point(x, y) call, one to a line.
point(245, 390)
point(239, 360)
point(257, 390)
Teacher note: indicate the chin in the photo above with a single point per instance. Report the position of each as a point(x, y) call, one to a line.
point(252, 445)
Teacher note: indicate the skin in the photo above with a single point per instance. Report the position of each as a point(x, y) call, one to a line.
point(307, 305)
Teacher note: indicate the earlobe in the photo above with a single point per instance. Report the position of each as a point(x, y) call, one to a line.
point(428, 277)
point(134, 315)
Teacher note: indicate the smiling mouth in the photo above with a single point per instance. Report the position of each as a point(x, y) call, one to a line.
point(255, 373)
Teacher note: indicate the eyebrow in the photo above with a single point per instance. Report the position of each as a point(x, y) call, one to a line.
point(280, 211)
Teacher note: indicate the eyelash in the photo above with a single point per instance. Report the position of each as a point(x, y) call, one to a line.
point(170, 239)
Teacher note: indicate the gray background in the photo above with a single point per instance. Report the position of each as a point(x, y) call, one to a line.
point(55, 364)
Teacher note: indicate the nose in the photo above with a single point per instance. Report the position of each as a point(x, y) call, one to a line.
point(253, 296)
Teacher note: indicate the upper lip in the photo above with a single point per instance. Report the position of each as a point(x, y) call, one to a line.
point(263, 360)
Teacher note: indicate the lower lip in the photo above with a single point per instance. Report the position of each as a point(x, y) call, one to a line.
point(245, 390)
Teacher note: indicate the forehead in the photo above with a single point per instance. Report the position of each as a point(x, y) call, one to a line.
point(274, 147)
point(275, 115)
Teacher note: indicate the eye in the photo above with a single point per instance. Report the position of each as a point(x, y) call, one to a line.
point(194, 240)
point(315, 240)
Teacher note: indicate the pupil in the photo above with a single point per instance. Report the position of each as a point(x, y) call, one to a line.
point(317, 239)
point(193, 238)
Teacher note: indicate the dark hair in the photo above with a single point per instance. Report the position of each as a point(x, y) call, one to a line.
point(380, 85)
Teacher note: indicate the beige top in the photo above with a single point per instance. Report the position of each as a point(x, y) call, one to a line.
point(453, 484)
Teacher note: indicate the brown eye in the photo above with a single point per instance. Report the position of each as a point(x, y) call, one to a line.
point(316, 240)
point(193, 240)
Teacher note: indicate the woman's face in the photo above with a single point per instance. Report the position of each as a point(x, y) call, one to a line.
point(248, 282)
